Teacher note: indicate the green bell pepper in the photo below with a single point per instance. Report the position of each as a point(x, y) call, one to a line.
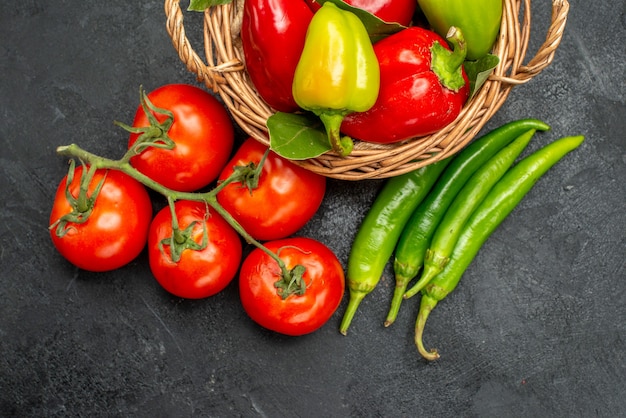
point(338, 72)
point(479, 20)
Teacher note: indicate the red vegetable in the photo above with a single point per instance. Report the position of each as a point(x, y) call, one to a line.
point(392, 11)
point(116, 228)
point(196, 271)
point(202, 132)
point(272, 37)
point(285, 199)
point(294, 314)
point(414, 100)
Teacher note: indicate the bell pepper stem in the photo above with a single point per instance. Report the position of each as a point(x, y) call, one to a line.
point(448, 65)
point(459, 48)
point(342, 145)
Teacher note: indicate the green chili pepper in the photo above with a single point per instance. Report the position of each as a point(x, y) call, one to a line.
point(380, 229)
point(478, 19)
point(338, 72)
point(416, 236)
point(497, 205)
point(463, 205)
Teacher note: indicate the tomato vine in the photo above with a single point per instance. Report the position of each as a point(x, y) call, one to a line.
point(209, 197)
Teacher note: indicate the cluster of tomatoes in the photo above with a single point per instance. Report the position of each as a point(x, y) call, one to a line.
point(102, 217)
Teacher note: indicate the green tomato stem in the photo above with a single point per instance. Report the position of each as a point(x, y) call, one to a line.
point(177, 236)
point(155, 135)
point(82, 201)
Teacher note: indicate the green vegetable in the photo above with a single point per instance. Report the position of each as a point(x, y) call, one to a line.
point(462, 207)
point(499, 202)
point(380, 229)
point(478, 19)
point(416, 237)
point(376, 28)
point(202, 5)
point(338, 71)
point(297, 136)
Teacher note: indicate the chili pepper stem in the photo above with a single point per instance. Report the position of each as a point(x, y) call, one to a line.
point(401, 284)
point(356, 297)
point(427, 304)
point(332, 122)
point(421, 283)
point(433, 264)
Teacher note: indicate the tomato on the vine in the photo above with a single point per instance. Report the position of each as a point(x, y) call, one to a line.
point(202, 132)
point(261, 286)
point(285, 199)
point(201, 259)
point(107, 232)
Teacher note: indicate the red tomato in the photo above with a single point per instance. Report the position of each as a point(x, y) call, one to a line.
point(394, 11)
point(198, 273)
point(296, 314)
point(286, 198)
point(203, 134)
point(116, 230)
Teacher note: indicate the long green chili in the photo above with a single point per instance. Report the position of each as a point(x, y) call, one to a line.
point(497, 205)
point(416, 236)
point(462, 207)
point(379, 231)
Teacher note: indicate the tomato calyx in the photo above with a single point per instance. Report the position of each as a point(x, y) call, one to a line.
point(156, 134)
point(291, 282)
point(182, 240)
point(83, 204)
point(248, 175)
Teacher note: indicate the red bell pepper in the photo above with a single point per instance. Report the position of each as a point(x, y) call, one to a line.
point(392, 11)
point(272, 38)
point(423, 87)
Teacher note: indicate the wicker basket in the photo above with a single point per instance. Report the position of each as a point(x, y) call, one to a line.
point(223, 71)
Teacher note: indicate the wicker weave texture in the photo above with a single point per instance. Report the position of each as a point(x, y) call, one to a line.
point(221, 69)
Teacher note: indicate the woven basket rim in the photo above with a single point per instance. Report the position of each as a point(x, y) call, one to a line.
point(222, 70)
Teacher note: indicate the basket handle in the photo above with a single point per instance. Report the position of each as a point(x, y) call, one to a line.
point(207, 74)
point(545, 54)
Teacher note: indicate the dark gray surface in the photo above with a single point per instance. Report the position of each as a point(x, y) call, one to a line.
point(537, 327)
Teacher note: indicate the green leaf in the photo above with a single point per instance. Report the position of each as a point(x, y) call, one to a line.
point(297, 136)
point(202, 5)
point(376, 28)
point(478, 71)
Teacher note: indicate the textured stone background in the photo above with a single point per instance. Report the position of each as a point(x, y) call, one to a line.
point(537, 327)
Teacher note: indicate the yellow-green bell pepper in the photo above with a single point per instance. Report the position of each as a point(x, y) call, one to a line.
point(479, 20)
point(338, 72)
